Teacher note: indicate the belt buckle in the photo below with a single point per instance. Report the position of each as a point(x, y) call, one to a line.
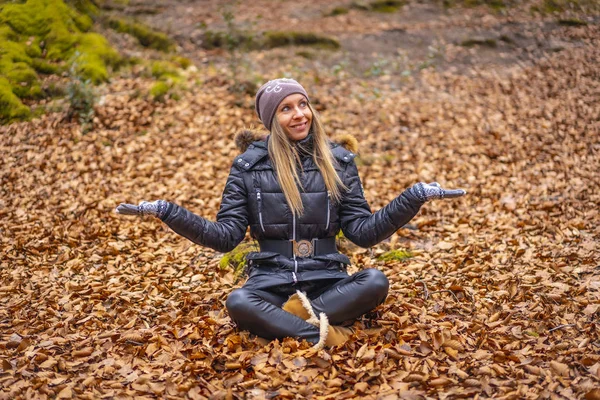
point(303, 248)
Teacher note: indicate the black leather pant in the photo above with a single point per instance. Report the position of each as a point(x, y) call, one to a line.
point(259, 311)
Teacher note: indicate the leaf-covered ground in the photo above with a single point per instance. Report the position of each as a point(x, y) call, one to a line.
point(502, 298)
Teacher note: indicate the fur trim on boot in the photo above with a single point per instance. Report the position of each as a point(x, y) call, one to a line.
point(323, 332)
point(299, 305)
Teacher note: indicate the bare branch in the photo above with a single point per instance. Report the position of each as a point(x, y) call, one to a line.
point(560, 327)
point(426, 292)
point(447, 291)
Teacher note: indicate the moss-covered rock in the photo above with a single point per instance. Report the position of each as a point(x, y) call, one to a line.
point(280, 39)
point(145, 36)
point(95, 53)
point(386, 6)
point(164, 70)
point(236, 258)
point(168, 80)
point(11, 108)
point(42, 36)
point(159, 90)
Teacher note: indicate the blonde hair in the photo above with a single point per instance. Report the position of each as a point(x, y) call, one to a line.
point(285, 159)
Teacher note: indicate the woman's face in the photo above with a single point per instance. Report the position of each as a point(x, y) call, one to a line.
point(294, 116)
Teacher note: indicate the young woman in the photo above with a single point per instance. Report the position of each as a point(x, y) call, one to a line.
point(296, 190)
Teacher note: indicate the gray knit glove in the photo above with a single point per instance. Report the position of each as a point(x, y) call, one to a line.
point(155, 208)
point(430, 191)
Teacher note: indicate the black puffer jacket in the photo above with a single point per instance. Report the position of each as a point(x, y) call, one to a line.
point(252, 196)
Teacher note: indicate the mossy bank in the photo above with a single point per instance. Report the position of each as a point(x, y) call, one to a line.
point(40, 37)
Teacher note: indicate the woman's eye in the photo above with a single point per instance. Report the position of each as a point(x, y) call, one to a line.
point(285, 108)
point(303, 104)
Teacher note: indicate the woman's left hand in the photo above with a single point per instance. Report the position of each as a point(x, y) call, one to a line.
point(429, 191)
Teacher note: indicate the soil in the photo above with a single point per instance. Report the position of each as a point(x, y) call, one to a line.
point(400, 44)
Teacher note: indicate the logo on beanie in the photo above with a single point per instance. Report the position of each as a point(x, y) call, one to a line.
point(273, 89)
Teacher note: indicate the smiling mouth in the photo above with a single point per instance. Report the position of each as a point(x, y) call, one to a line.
point(300, 126)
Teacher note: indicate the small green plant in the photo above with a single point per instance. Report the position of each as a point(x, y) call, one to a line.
point(378, 68)
point(81, 97)
point(396, 255)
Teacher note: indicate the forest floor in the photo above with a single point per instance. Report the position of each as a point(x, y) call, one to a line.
point(501, 298)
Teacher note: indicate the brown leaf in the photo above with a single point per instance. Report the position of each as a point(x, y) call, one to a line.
point(83, 352)
point(559, 368)
point(66, 393)
point(441, 381)
point(361, 387)
point(593, 394)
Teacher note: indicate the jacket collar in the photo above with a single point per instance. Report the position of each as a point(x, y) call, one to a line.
point(246, 137)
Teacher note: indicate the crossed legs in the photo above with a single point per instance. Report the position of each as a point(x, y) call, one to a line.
point(259, 311)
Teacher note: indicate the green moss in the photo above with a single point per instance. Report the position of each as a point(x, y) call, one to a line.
point(557, 6)
point(11, 108)
point(96, 53)
point(493, 4)
point(168, 79)
point(86, 7)
point(33, 50)
point(41, 36)
point(396, 255)
point(24, 80)
point(337, 11)
point(306, 54)
point(159, 90)
point(229, 40)
point(145, 36)
point(280, 39)
point(386, 6)
point(479, 42)
point(236, 258)
point(182, 62)
point(164, 70)
point(572, 22)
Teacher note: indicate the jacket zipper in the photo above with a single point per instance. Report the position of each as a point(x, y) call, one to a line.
point(259, 200)
point(328, 209)
point(294, 239)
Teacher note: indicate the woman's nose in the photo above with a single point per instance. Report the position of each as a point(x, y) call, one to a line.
point(298, 112)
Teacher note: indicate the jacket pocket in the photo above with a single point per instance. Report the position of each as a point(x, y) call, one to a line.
point(338, 257)
point(260, 256)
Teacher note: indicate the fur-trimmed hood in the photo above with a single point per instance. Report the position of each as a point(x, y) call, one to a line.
point(246, 137)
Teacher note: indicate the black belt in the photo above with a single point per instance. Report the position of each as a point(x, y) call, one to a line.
point(300, 248)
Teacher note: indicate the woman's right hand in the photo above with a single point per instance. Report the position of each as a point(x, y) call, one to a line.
point(155, 208)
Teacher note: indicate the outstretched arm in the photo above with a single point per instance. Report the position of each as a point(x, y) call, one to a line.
point(366, 229)
point(222, 235)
